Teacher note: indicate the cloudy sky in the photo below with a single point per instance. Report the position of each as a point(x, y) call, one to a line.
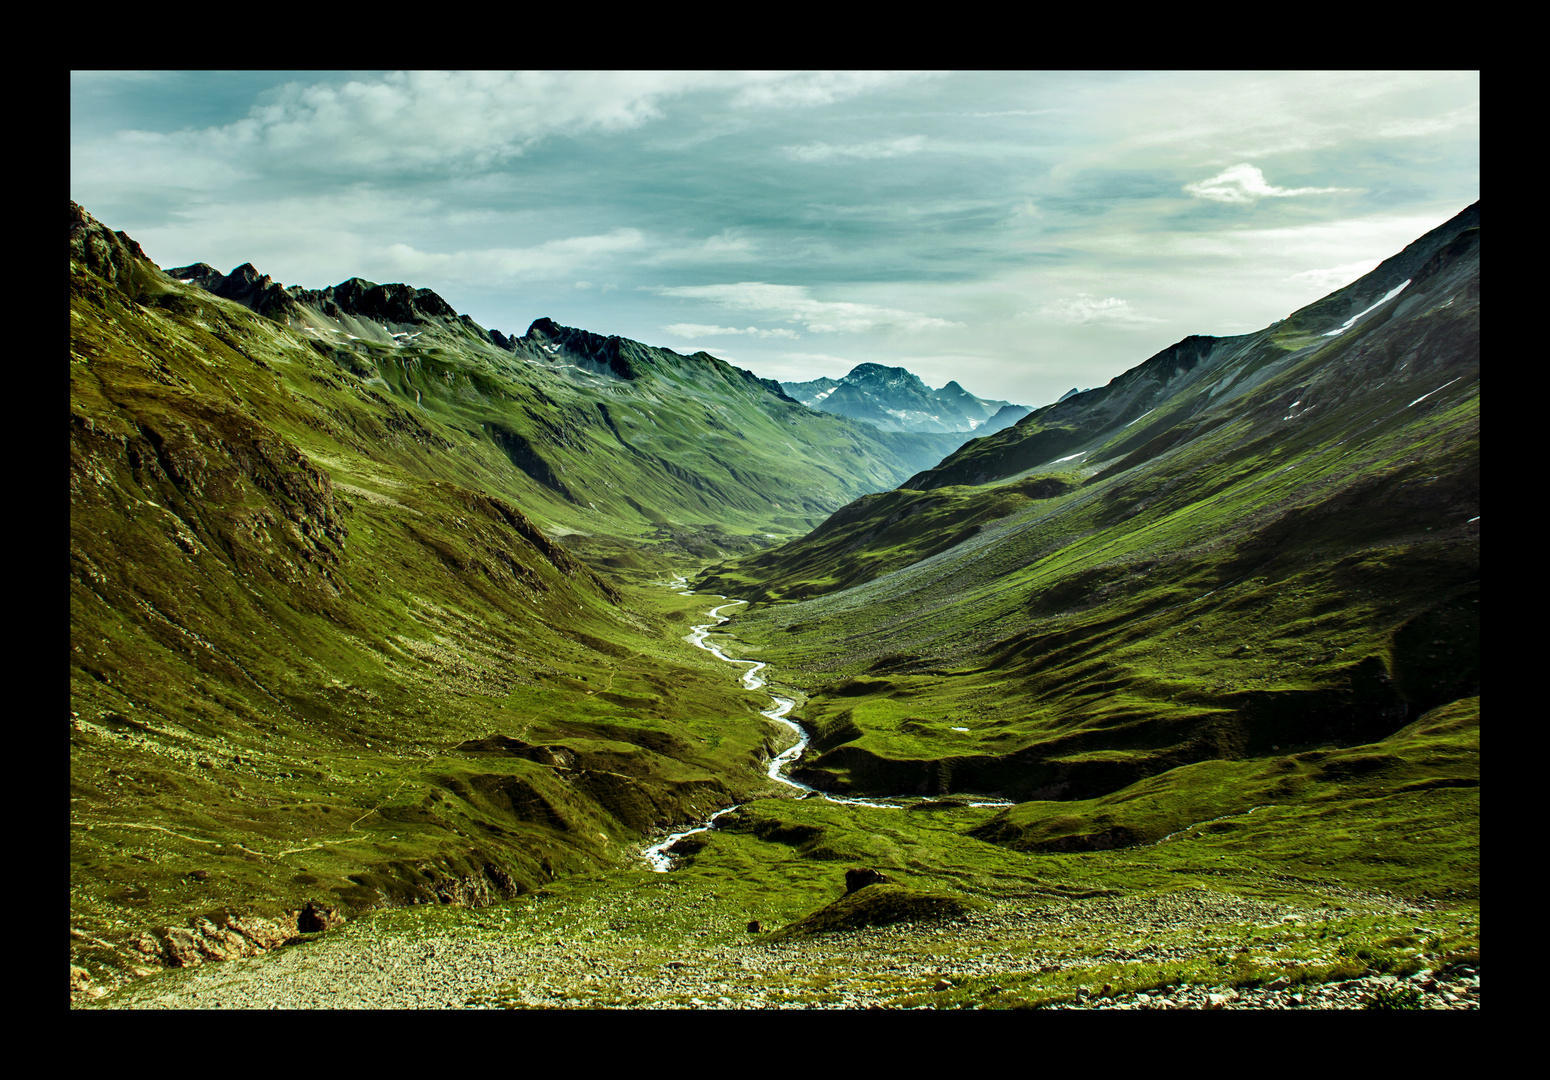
point(1020, 232)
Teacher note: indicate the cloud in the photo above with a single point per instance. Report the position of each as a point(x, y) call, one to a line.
point(409, 122)
point(1420, 127)
point(1085, 308)
point(401, 122)
point(555, 259)
point(729, 245)
point(1245, 183)
point(1331, 278)
point(787, 89)
point(877, 148)
point(422, 118)
point(699, 330)
point(793, 304)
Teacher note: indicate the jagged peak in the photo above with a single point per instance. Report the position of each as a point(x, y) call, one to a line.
point(194, 271)
point(113, 256)
point(597, 351)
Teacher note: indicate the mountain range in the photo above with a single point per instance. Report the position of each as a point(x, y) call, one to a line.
point(368, 609)
point(896, 400)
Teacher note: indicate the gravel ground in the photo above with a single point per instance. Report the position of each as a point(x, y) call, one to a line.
point(596, 951)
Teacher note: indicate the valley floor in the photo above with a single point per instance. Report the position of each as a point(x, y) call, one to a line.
point(643, 941)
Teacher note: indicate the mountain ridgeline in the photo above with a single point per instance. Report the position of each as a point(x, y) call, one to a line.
point(1242, 548)
point(367, 603)
point(893, 399)
point(687, 446)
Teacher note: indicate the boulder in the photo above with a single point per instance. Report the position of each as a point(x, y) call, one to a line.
point(860, 879)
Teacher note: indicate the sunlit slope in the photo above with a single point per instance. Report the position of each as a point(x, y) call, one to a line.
point(1284, 552)
point(320, 652)
point(601, 435)
point(1177, 394)
point(874, 535)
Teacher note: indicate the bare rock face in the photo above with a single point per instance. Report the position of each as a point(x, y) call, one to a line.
point(224, 937)
point(315, 918)
point(111, 255)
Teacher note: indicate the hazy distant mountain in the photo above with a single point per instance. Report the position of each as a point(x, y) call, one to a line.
point(894, 399)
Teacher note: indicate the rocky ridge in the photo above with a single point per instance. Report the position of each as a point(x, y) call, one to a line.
point(894, 399)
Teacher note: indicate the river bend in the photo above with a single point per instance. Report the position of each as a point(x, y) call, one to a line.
point(656, 855)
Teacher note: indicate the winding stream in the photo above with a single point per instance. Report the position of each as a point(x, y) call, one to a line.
point(656, 855)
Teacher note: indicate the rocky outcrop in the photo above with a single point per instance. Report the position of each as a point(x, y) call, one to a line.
point(860, 879)
point(612, 355)
point(112, 256)
point(895, 399)
point(397, 304)
point(244, 285)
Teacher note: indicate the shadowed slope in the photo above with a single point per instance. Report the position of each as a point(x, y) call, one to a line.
point(1275, 542)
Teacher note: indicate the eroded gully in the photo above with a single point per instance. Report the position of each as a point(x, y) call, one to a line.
point(656, 855)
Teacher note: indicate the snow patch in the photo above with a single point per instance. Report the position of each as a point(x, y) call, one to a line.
point(1429, 393)
point(1352, 320)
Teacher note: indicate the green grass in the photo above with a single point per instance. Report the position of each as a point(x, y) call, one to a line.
point(376, 625)
point(296, 593)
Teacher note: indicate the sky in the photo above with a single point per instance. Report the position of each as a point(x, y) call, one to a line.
point(1022, 233)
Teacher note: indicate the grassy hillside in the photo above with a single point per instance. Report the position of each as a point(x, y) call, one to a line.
point(1268, 545)
point(321, 652)
point(367, 611)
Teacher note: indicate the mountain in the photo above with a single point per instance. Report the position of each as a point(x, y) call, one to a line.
point(1245, 558)
point(362, 601)
point(694, 449)
point(893, 399)
point(1201, 375)
point(367, 611)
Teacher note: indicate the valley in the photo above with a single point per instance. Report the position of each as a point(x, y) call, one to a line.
point(374, 657)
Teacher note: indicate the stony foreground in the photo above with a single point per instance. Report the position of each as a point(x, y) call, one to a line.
point(607, 950)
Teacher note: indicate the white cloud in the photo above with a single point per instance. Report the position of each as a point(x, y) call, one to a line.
point(426, 117)
point(1419, 127)
point(786, 89)
point(413, 121)
point(729, 245)
point(699, 330)
point(1085, 308)
point(1245, 183)
point(877, 148)
point(553, 259)
point(1331, 278)
point(793, 304)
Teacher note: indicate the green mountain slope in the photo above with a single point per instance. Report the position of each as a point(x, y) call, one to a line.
point(601, 434)
point(325, 646)
point(1250, 545)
